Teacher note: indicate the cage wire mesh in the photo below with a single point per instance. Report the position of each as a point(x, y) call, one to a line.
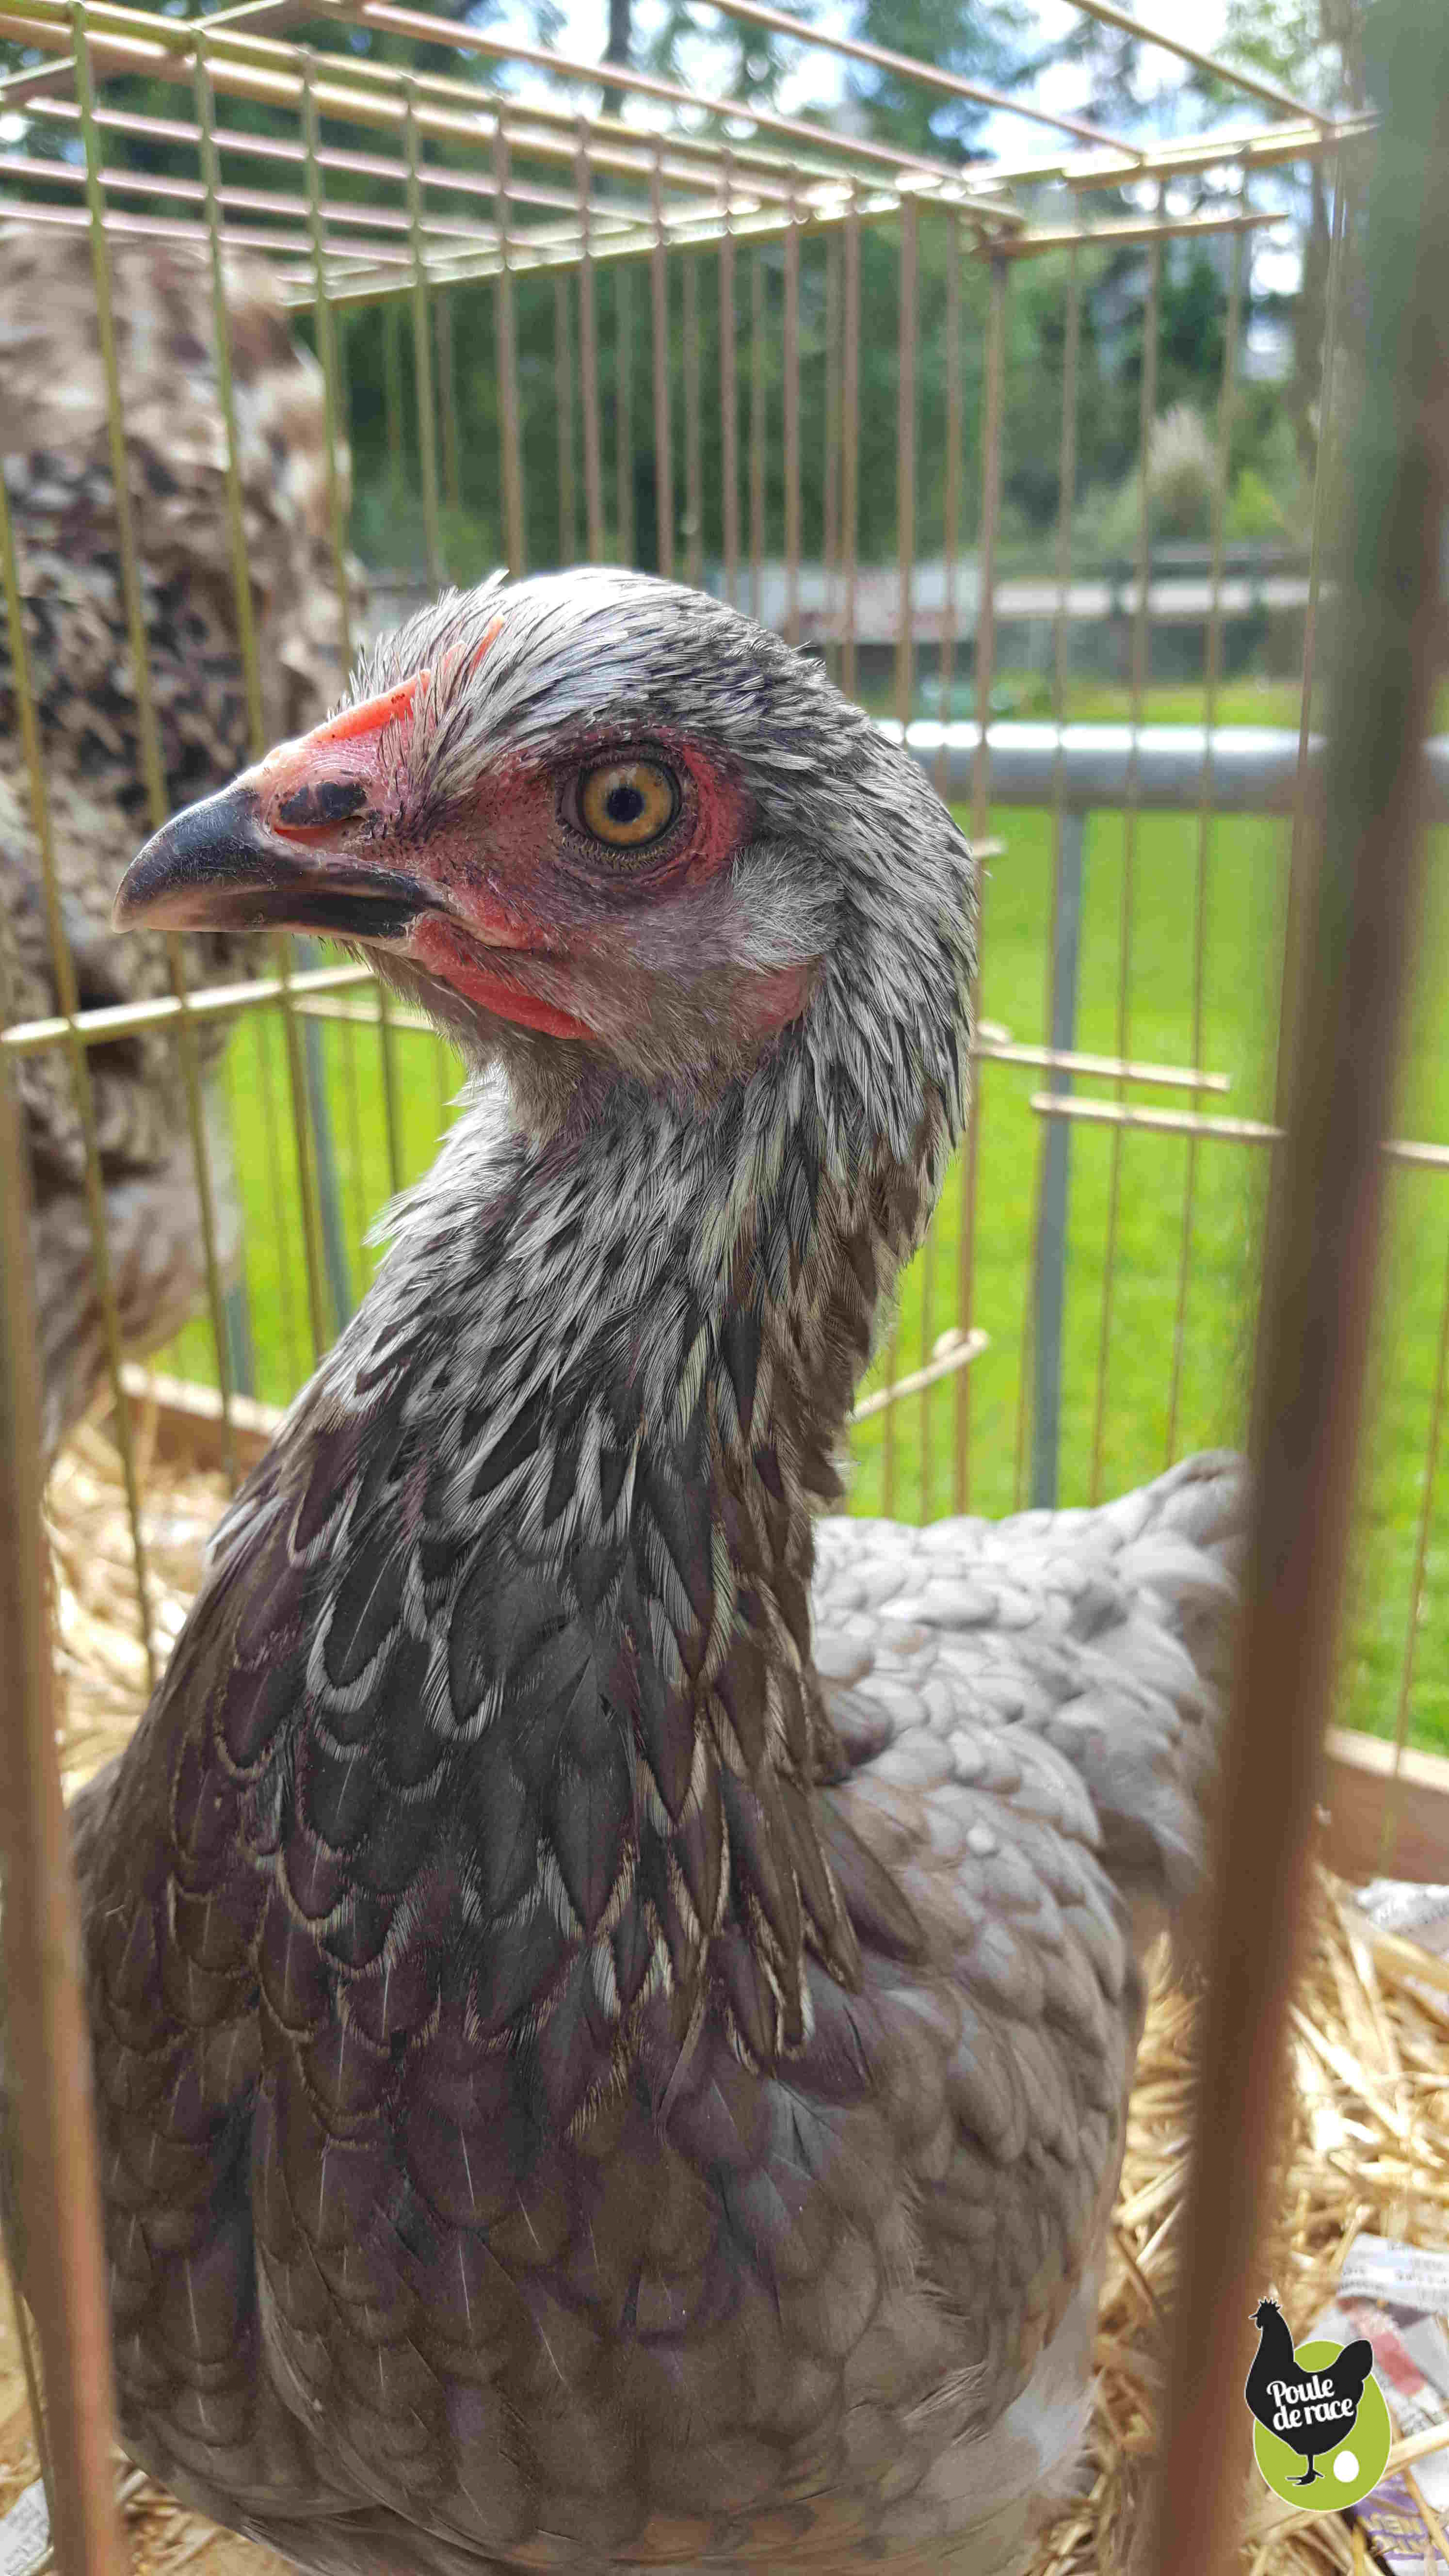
point(559, 334)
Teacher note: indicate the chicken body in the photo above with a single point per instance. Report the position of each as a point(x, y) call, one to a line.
point(55, 454)
point(614, 2001)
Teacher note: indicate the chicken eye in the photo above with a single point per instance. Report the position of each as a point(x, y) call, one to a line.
point(627, 804)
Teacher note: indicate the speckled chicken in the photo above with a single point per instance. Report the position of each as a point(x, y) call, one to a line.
point(56, 461)
point(614, 1998)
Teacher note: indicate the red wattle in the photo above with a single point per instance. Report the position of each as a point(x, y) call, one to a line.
point(455, 961)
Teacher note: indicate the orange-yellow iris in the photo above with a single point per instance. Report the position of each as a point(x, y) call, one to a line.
point(626, 804)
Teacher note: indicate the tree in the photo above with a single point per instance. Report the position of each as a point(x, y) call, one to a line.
point(1315, 49)
point(989, 44)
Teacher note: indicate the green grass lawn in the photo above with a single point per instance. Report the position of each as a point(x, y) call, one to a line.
point(906, 1460)
point(1020, 696)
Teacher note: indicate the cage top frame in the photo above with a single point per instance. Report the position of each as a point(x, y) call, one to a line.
point(749, 170)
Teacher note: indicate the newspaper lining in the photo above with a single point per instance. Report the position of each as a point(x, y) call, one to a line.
point(1398, 2295)
point(25, 2533)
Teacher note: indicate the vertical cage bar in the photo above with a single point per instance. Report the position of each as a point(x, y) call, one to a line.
point(261, 1035)
point(447, 398)
point(1227, 401)
point(53, 2141)
point(68, 995)
point(693, 455)
point(980, 815)
point(906, 468)
point(392, 396)
point(850, 445)
point(1302, 849)
point(624, 409)
point(210, 165)
point(327, 360)
point(729, 391)
point(792, 424)
point(360, 1208)
point(659, 304)
point(589, 358)
point(905, 651)
point(507, 337)
point(329, 1194)
point(337, 531)
point(1059, 1000)
point(210, 162)
point(831, 477)
point(1132, 794)
point(1394, 1790)
point(422, 344)
point(945, 673)
point(563, 362)
point(147, 729)
point(1319, 1282)
point(757, 432)
point(946, 668)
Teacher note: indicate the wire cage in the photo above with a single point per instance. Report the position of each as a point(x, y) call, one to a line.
point(611, 339)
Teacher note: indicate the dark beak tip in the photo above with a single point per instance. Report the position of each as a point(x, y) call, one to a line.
point(175, 878)
point(128, 911)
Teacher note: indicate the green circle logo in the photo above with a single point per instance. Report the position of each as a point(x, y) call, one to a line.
point(1322, 2433)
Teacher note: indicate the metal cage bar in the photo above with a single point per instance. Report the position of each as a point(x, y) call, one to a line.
point(757, 432)
point(147, 729)
point(728, 390)
point(905, 655)
point(423, 357)
point(624, 415)
point(589, 363)
point(1039, 1389)
point(513, 519)
point(323, 323)
point(991, 400)
point(1227, 399)
point(1140, 631)
point(446, 361)
point(693, 425)
point(792, 428)
point(850, 445)
point(48, 2043)
point(1319, 1282)
point(830, 481)
point(663, 448)
point(563, 379)
point(63, 969)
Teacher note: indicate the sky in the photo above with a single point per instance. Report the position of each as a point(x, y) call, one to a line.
point(815, 84)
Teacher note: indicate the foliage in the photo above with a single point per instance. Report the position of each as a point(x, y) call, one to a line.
point(993, 43)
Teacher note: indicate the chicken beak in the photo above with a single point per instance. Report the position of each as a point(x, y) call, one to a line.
point(289, 846)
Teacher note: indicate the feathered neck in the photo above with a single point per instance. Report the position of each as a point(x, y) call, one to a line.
point(576, 1435)
point(656, 1257)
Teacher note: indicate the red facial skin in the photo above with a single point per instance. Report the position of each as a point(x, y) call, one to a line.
point(516, 871)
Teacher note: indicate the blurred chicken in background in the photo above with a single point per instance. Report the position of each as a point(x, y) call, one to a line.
point(56, 461)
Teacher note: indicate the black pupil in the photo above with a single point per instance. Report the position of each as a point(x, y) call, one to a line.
point(623, 804)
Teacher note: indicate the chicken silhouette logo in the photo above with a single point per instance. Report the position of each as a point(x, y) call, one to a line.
point(1321, 2416)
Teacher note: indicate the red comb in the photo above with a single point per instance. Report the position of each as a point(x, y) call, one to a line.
point(372, 714)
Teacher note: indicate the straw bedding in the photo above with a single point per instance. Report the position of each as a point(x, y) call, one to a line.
point(1369, 2118)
